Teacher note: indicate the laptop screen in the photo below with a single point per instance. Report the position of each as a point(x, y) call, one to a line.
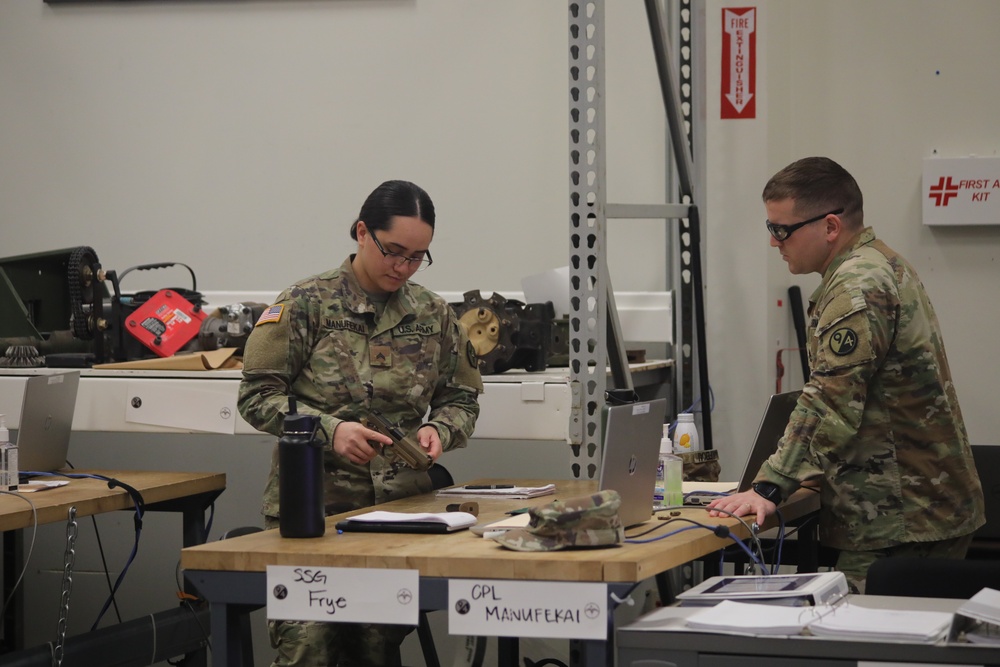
point(631, 451)
point(46, 421)
point(772, 427)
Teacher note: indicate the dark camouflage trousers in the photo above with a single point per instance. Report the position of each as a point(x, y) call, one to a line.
point(855, 564)
point(312, 644)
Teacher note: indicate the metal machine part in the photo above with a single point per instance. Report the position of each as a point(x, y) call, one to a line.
point(47, 301)
point(133, 335)
point(230, 326)
point(21, 356)
point(507, 333)
point(59, 303)
point(83, 273)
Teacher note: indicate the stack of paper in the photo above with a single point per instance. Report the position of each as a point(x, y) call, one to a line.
point(496, 491)
point(979, 617)
point(843, 621)
point(854, 622)
point(747, 618)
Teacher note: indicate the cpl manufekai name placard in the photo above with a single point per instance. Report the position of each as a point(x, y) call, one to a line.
point(961, 191)
point(343, 595)
point(503, 608)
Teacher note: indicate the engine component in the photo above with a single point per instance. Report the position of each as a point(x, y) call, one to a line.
point(59, 303)
point(21, 356)
point(506, 333)
point(230, 326)
point(83, 273)
point(47, 298)
point(133, 334)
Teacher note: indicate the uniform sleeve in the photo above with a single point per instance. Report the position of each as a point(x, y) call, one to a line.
point(455, 404)
point(853, 334)
point(275, 353)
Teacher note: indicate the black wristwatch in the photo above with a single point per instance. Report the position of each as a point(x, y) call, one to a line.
point(768, 491)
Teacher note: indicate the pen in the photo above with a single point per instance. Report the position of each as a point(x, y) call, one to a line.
point(517, 511)
point(478, 487)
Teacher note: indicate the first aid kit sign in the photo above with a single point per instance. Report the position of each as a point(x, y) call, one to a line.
point(961, 191)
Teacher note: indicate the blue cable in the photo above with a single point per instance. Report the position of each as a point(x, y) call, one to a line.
point(720, 531)
point(140, 509)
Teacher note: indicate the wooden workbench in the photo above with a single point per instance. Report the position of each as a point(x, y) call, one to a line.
point(231, 573)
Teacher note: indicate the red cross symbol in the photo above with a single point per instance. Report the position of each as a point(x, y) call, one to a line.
point(943, 191)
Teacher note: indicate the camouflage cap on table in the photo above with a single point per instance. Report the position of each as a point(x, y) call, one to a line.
point(585, 521)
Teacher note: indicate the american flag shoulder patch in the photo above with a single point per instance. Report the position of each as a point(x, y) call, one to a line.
point(272, 314)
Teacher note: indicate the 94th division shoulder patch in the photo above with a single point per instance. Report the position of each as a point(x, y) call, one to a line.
point(272, 314)
point(843, 341)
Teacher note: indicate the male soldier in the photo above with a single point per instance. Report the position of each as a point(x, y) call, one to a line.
point(878, 422)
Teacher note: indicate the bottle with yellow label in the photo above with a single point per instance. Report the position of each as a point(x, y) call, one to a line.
point(686, 434)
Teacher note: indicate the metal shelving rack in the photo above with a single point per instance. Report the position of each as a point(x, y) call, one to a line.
point(594, 333)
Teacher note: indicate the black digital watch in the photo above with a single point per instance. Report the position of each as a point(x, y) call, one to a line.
point(768, 491)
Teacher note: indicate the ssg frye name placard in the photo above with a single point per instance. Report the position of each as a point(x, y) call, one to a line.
point(342, 595)
point(502, 608)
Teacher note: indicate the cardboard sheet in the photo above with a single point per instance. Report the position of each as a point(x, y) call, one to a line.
point(189, 361)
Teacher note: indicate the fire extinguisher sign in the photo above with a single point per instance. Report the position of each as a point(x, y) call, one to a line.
point(739, 62)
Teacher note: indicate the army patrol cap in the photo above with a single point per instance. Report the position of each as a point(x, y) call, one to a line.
point(584, 521)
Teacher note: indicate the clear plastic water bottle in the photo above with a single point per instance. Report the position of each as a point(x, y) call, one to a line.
point(8, 459)
point(668, 491)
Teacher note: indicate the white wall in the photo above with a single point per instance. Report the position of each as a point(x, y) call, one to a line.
point(878, 86)
point(242, 137)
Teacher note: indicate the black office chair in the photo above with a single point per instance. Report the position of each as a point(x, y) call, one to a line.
point(931, 577)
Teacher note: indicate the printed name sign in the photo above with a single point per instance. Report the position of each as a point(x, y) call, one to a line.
point(342, 595)
point(501, 608)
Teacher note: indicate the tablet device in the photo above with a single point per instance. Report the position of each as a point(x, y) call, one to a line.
point(349, 526)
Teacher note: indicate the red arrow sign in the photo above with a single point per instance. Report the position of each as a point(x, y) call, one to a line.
point(739, 62)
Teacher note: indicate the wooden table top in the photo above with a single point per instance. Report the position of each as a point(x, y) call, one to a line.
point(93, 496)
point(463, 554)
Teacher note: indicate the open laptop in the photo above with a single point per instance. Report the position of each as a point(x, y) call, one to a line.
point(46, 421)
point(772, 427)
point(632, 435)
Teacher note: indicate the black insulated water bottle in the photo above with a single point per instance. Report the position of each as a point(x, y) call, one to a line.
point(300, 476)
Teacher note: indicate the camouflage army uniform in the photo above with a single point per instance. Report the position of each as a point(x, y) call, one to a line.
point(327, 346)
point(879, 420)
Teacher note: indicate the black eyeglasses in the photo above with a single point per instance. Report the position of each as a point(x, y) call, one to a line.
point(421, 262)
point(782, 232)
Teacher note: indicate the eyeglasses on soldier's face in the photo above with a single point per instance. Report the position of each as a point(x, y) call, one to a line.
point(782, 232)
point(418, 262)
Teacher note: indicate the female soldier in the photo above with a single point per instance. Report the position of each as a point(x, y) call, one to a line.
point(358, 338)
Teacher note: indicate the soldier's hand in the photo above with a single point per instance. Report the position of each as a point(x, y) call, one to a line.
point(350, 440)
point(430, 441)
point(743, 504)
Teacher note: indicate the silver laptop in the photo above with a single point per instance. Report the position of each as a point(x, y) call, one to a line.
point(772, 427)
point(632, 435)
point(46, 421)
